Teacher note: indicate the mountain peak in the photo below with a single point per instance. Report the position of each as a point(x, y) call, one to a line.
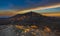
point(31, 13)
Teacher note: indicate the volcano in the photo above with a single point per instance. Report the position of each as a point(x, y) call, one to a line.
point(30, 18)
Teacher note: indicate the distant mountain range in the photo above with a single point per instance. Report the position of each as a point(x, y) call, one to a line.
point(32, 18)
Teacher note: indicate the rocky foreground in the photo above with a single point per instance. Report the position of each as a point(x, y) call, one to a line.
point(17, 30)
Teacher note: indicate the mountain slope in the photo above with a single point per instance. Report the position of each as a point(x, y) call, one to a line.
point(32, 18)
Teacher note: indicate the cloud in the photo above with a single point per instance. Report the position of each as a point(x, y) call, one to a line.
point(23, 6)
point(14, 12)
point(7, 13)
point(52, 14)
point(40, 8)
point(26, 4)
point(39, 3)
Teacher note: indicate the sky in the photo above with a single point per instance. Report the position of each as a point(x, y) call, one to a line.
point(26, 4)
point(21, 6)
